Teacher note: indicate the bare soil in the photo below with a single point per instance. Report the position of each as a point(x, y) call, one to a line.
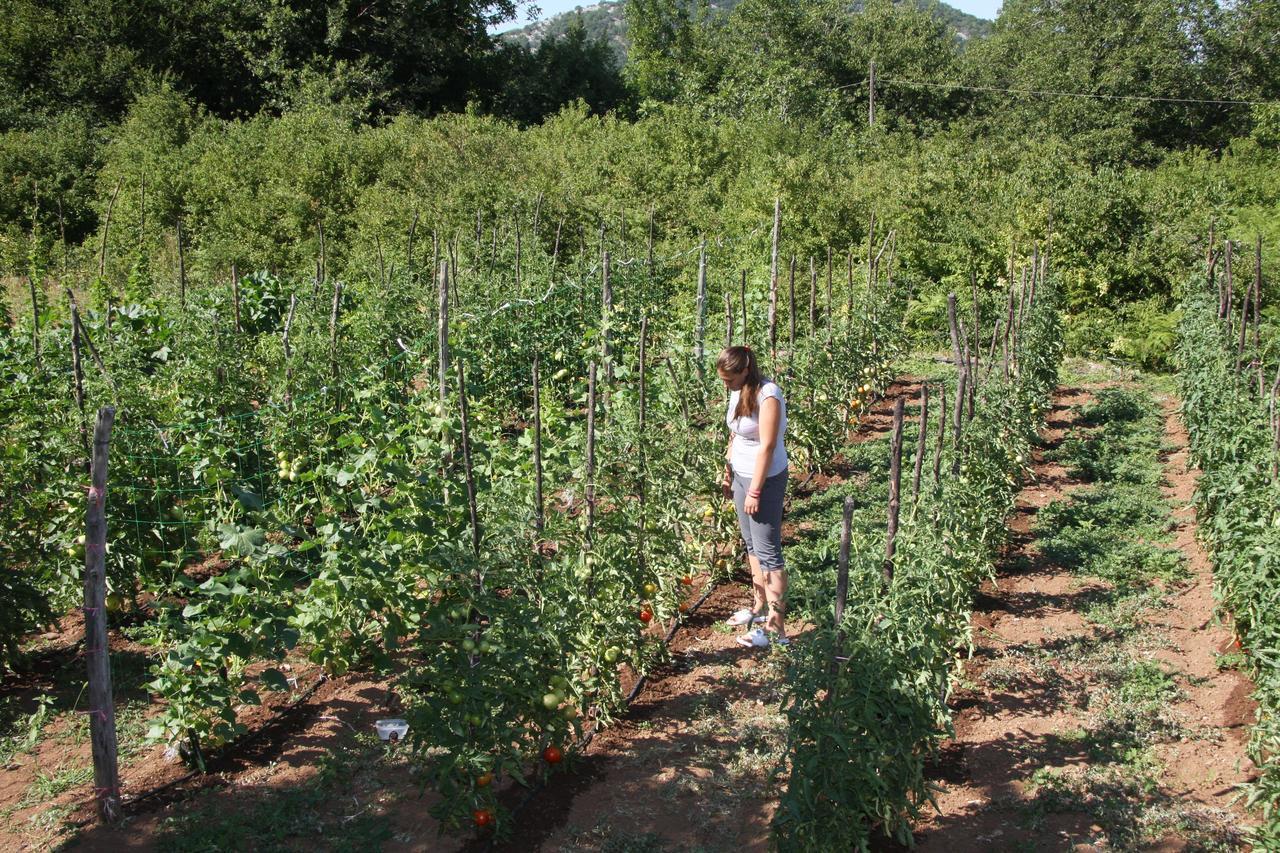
point(1028, 699)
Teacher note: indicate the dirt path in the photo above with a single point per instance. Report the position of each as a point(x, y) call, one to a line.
point(1044, 758)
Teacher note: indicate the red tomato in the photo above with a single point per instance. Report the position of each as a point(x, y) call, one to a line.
point(646, 615)
point(482, 818)
point(484, 780)
point(686, 580)
point(552, 755)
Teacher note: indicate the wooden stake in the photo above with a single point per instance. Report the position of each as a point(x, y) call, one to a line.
point(871, 247)
point(977, 319)
point(408, 250)
point(813, 297)
point(827, 315)
point(442, 330)
point(77, 372)
point(895, 488)
point(640, 454)
point(842, 567)
point(518, 250)
point(953, 325)
point(606, 334)
point(102, 711)
point(957, 419)
point(324, 260)
point(333, 330)
point(942, 434)
point(555, 250)
point(35, 322)
point(700, 330)
point(235, 297)
point(466, 459)
point(728, 321)
point(591, 454)
point(182, 267)
point(921, 444)
point(106, 227)
point(773, 284)
point(1225, 312)
point(648, 254)
point(539, 517)
point(791, 313)
point(871, 94)
point(288, 353)
point(848, 294)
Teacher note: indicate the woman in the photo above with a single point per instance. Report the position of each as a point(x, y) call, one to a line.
point(755, 475)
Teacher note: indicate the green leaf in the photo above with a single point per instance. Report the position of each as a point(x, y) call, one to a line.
point(274, 679)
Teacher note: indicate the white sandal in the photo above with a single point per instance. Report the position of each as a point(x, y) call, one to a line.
point(743, 616)
point(756, 638)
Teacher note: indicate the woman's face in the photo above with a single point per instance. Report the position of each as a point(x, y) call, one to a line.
point(733, 381)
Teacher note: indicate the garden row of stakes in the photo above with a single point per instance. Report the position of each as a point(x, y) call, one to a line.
point(491, 490)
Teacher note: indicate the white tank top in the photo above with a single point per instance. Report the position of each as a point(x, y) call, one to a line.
point(746, 435)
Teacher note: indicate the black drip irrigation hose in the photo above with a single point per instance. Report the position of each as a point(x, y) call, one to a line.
point(626, 703)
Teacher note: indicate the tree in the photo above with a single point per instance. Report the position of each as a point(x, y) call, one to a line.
point(1116, 57)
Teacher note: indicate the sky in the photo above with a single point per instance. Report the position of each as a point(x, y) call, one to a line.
point(982, 8)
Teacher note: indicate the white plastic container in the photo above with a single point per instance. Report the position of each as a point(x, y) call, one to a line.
point(393, 729)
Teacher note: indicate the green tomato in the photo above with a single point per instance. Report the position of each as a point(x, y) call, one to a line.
point(559, 682)
point(551, 701)
point(485, 647)
point(469, 645)
point(611, 654)
point(455, 698)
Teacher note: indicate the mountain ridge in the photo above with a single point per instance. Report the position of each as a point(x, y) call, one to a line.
point(607, 19)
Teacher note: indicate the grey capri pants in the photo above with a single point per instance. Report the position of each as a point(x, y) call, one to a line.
point(762, 532)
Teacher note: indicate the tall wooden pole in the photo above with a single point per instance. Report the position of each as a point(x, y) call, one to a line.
point(895, 490)
point(842, 570)
point(871, 94)
point(813, 297)
point(957, 421)
point(442, 330)
point(942, 434)
point(102, 713)
point(333, 330)
point(791, 312)
point(606, 333)
point(700, 330)
point(182, 267)
point(773, 283)
point(921, 443)
point(728, 321)
point(77, 372)
point(954, 328)
point(235, 297)
point(539, 506)
point(742, 292)
point(288, 353)
point(35, 320)
point(590, 489)
point(1225, 308)
point(640, 451)
point(468, 471)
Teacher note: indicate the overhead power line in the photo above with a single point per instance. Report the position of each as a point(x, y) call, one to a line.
point(891, 81)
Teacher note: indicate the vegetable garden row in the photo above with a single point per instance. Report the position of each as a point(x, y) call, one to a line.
point(493, 477)
point(1229, 394)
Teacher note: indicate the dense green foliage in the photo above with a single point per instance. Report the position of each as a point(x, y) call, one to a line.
point(1231, 424)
